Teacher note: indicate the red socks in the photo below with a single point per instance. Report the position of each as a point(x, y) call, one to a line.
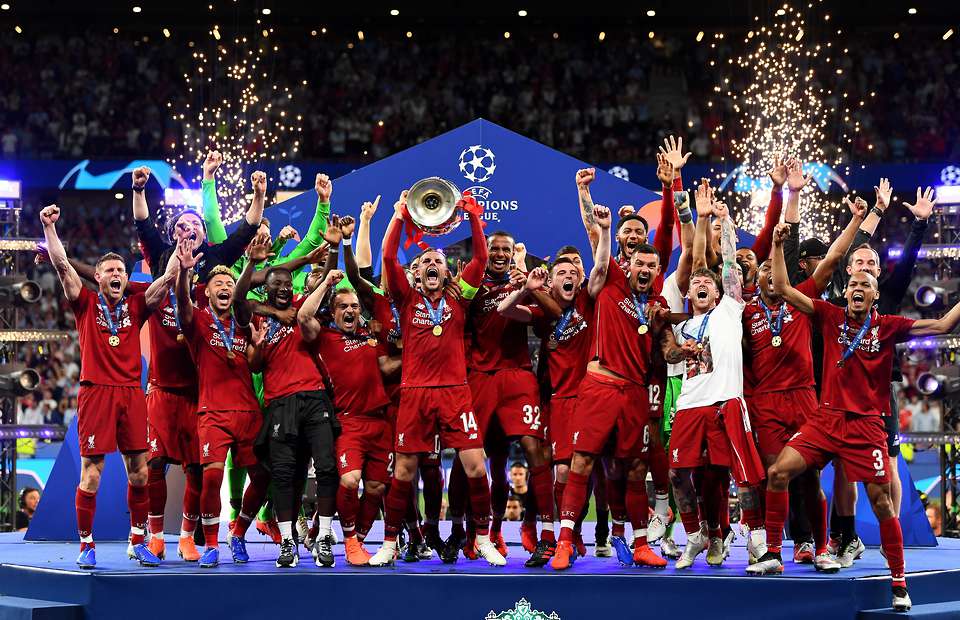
point(818, 519)
point(480, 504)
point(637, 506)
point(778, 504)
point(191, 501)
point(157, 491)
point(138, 501)
point(210, 504)
point(395, 506)
point(541, 479)
point(252, 499)
point(891, 539)
point(348, 506)
point(574, 498)
point(86, 504)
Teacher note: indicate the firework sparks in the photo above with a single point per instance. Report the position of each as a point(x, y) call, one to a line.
point(231, 104)
point(779, 92)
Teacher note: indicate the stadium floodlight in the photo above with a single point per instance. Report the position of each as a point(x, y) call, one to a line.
point(183, 197)
point(940, 381)
point(936, 294)
point(19, 382)
point(18, 292)
point(9, 190)
point(13, 432)
point(948, 195)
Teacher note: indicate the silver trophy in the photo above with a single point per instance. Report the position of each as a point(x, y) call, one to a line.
point(432, 204)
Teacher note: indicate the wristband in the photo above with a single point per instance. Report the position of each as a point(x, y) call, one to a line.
point(348, 242)
point(138, 190)
point(877, 211)
point(685, 215)
point(333, 250)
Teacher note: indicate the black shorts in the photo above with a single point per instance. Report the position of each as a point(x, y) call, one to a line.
point(306, 419)
point(892, 424)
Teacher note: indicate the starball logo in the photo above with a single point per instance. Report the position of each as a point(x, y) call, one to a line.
point(478, 164)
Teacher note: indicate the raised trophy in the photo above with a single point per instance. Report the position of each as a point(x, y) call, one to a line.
point(432, 204)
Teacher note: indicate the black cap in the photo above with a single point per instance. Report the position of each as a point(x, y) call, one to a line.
point(813, 248)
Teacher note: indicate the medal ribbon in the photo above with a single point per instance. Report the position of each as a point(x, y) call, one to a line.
point(396, 331)
point(856, 339)
point(112, 324)
point(173, 304)
point(354, 336)
point(701, 331)
point(223, 333)
point(775, 329)
point(436, 314)
point(640, 304)
point(274, 327)
point(562, 323)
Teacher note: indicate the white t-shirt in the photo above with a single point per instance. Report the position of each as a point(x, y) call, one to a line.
point(675, 301)
point(716, 374)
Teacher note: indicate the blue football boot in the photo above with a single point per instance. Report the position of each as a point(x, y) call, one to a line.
point(624, 555)
point(238, 547)
point(210, 557)
point(87, 558)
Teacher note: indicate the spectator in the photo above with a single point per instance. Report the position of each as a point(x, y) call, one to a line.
point(519, 477)
point(29, 498)
point(514, 510)
point(926, 419)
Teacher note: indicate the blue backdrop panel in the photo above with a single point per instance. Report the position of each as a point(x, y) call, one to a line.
point(56, 517)
point(913, 516)
point(527, 189)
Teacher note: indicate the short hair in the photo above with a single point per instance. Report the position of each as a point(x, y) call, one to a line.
point(633, 216)
point(221, 270)
point(343, 290)
point(568, 249)
point(562, 261)
point(264, 222)
point(518, 464)
point(708, 273)
point(515, 498)
point(172, 222)
point(277, 269)
point(110, 256)
point(500, 233)
point(862, 246)
point(646, 248)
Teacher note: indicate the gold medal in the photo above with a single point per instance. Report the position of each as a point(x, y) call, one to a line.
point(699, 346)
point(230, 354)
point(437, 330)
point(398, 344)
point(777, 341)
point(642, 329)
point(181, 338)
point(114, 341)
point(840, 364)
point(552, 343)
point(372, 342)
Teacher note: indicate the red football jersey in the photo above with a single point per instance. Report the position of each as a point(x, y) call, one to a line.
point(389, 335)
point(290, 365)
point(567, 363)
point(496, 342)
point(225, 384)
point(616, 342)
point(862, 385)
point(170, 363)
point(429, 360)
point(101, 363)
point(789, 366)
point(354, 371)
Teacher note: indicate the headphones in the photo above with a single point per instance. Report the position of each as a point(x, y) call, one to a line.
point(22, 498)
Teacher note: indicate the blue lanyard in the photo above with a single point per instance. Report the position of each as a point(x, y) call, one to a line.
point(775, 328)
point(223, 334)
point(173, 304)
point(640, 305)
point(856, 339)
point(703, 328)
point(395, 332)
point(563, 322)
point(112, 324)
point(354, 336)
point(436, 314)
point(274, 326)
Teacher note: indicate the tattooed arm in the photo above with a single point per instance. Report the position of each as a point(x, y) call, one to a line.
point(728, 252)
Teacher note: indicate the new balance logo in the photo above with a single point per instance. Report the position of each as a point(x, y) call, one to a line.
point(400, 439)
point(90, 442)
point(576, 436)
point(206, 449)
point(879, 474)
point(276, 430)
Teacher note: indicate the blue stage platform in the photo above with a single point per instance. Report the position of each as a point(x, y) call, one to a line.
point(593, 588)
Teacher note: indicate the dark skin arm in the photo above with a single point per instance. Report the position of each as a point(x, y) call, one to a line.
point(257, 252)
point(363, 288)
point(258, 278)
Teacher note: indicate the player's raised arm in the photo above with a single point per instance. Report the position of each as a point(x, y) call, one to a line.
point(728, 251)
point(257, 252)
point(216, 233)
point(703, 200)
point(187, 262)
point(935, 327)
point(586, 176)
point(663, 237)
point(158, 289)
point(392, 270)
point(307, 315)
point(363, 251)
point(781, 280)
point(472, 275)
point(838, 249)
point(601, 256)
point(58, 256)
point(529, 285)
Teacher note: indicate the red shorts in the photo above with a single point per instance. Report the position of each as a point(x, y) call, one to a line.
point(717, 435)
point(172, 425)
point(366, 443)
point(430, 417)
point(111, 418)
point(561, 418)
point(512, 396)
point(604, 406)
point(219, 431)
point(858, 441)
point(777, 416)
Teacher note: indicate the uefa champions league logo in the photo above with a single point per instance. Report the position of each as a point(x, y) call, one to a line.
point(950, 175)
point(477, 163)
point(290, 176)
point(522, 611)
point(620, 172)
